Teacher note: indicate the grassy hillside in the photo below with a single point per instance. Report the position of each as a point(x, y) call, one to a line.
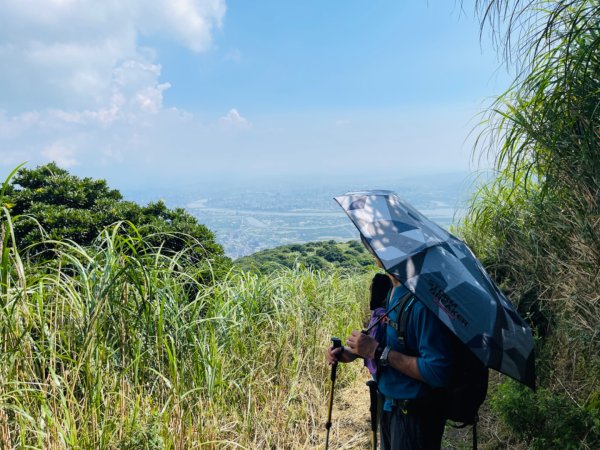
point(129, 340)
point(349, 255)
point(120, 346)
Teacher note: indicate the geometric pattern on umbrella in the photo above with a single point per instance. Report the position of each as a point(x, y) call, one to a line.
point(445, 275)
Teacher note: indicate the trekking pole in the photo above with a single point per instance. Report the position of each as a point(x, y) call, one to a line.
point(374, 406)
point(337, 343)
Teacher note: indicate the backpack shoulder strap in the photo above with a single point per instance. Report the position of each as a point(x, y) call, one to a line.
point(403, 305)
point(403, 316)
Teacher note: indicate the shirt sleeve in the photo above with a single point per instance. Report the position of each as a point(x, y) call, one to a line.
point(436, 351)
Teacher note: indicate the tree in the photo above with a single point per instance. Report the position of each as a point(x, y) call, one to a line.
point(49, 203)
point(331, 253)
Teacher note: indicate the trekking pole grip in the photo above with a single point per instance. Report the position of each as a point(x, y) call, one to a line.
point(336, 343)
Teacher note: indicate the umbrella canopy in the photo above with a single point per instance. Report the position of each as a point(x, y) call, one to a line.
point(444, 274)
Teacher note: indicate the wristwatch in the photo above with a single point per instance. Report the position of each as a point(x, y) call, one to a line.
point(383, 359)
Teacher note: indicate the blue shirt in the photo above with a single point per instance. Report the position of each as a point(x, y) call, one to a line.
point(427, 338)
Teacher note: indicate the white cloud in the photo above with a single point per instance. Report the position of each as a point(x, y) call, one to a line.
point(14, 125)
point(79, 89)
point(233, 119)
point(192, 21)
point(61, 154)
point(63, 53)
point(134, 91)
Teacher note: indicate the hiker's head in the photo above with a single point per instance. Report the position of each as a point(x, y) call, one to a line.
point(380, 286)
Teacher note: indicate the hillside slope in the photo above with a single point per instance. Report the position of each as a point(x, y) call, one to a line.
point(315, 255)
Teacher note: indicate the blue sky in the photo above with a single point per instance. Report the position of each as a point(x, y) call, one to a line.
point(175, 91)
point(302, 56)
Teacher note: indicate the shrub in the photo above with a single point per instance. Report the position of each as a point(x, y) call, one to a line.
point(318, 255)
point(546, 419)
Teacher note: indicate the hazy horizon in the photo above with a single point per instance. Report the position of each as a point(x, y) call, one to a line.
point(250, 216)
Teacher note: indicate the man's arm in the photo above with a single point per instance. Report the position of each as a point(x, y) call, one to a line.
point(435, 364)
point(406, 364)
point(365, 346)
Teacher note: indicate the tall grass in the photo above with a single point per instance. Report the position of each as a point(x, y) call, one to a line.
point(537, 226)
point(119, 346)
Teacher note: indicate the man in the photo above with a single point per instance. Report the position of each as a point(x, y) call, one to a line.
point(409, 373)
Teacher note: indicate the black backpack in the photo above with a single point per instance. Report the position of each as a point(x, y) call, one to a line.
point(460, 400)
point(465, 395)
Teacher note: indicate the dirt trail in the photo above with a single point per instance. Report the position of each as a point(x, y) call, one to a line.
point(351, 420)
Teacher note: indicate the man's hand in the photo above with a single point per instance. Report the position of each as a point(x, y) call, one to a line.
point(340, 354)
point(362, 344)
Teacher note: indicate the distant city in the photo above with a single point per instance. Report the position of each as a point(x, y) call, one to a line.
point(248, 217)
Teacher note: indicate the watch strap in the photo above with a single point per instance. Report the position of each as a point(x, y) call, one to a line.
point(383, 359)
point(378, 352)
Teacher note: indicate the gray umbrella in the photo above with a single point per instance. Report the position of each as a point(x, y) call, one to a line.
point(445, 275)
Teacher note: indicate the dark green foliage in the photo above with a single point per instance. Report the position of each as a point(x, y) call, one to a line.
point(356, 245)
point(330, 252)
point(314, 262)
point(296, 248)
point(546, 419)
point(349, 255)
point(49, 203)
